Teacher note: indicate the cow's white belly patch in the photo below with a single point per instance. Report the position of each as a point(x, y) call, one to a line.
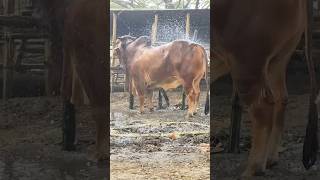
point(170, 85)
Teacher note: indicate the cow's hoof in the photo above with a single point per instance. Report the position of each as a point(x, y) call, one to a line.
point(189, 115)
point(151, 109)
point(271, 163)
point(249, 173)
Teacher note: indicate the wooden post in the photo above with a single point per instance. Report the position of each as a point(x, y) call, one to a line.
point(6, 7)
point(47, 47)
point(17, 7)
point(5, 63)
point(154, 29)
point(114, 36)
point(188, 26)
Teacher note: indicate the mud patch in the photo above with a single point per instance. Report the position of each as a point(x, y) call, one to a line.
point(158, 145)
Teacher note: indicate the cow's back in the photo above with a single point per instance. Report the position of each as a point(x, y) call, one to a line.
point(168, 65)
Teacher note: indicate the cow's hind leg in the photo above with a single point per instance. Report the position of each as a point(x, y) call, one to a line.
point(260, 114)
point(93, 76)
point(277, 83)
point(191, 95)
point(196, 88)
point(149, 94)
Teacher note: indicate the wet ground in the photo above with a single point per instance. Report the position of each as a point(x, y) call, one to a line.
point(229, 166)
point(158, 145)
point(30, 142)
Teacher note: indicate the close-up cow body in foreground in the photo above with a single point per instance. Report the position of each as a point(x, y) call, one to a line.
point(255, 40)
point(83, 45)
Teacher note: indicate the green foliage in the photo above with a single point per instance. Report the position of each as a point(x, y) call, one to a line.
point(160, 4)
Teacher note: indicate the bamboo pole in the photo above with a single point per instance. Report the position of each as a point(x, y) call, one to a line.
point(187, 25)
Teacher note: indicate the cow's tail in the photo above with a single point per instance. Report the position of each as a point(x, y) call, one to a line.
point(310, 146)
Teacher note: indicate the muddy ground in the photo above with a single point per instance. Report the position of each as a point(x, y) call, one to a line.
point(230, 166)
point(30, 142)
point(158, 145)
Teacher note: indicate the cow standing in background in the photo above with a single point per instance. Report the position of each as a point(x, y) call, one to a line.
point(84, 31)
point(255, 39)
point(167, 66)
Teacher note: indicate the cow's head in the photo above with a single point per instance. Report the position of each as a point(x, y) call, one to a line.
point(127, 45)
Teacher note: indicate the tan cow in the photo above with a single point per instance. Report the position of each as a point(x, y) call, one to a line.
point(167, 66)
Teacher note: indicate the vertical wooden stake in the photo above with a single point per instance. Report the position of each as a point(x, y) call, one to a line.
point(154, 29)
point(47, 47)
point(5, 63)
point(114, 36)
point(188, 26)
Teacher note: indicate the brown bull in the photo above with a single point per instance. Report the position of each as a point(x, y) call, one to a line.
point(255, 39)
point(83, 26)
point(167, 66)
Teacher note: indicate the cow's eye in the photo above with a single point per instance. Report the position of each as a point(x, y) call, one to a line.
point(116, 51)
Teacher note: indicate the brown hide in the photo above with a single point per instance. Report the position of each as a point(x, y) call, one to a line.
point(167, 66)
point(85, 32)
point(83, 26)
point(255, 39)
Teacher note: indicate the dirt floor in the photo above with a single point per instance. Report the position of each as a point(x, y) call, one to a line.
point(159, 145)
point(142, 146)
point(30, 142)
point(230, 166)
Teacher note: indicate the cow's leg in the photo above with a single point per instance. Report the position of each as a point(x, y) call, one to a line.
point(68, 107)
point(196, 89)
point(149, 94)
point(260, 113)
point(141, 100)
point(277, 81)
point(183, 106)
point(93, 76)
point(165, 97)
point(99, 114)
point(191, 95)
